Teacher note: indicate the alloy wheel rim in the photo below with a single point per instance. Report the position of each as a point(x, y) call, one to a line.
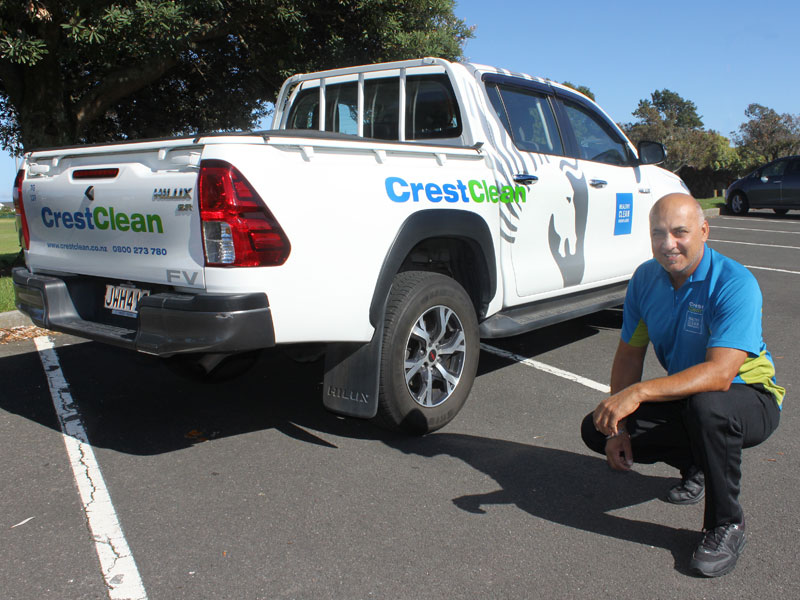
point(435, 355)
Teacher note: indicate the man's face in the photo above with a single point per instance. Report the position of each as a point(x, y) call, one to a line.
point(677, 238)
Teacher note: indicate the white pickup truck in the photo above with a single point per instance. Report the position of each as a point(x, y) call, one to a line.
point(394, 215)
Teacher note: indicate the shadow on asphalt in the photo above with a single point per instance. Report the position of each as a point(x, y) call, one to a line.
point(131, 403)
point(541, 341)
point(563, 487)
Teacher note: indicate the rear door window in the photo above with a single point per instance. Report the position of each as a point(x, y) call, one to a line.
point(528, 117)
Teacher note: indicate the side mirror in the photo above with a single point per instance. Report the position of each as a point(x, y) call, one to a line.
point(764, 179)
point(651, 153)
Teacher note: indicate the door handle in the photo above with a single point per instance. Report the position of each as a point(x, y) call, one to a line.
point(525, 179)
point(598, 183)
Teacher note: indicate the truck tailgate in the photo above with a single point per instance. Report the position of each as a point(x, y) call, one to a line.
point(126, 215)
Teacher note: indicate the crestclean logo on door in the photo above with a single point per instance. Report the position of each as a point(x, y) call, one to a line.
point(400, 190)
point(624, 214)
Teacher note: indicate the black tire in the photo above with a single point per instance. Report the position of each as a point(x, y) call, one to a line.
point(738, 204)
point(781, 211)
point(424, 383)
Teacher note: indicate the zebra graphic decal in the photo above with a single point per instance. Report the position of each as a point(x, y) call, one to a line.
point(568, 209)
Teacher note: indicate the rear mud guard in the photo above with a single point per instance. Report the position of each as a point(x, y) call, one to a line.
point(352, 376)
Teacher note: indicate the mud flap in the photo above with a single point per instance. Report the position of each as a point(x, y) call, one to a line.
point(352, 374)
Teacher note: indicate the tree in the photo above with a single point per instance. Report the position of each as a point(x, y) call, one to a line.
point(668, 107)
point(580, 88)
point(672, 120)
point(767, 135)
point(77, 71)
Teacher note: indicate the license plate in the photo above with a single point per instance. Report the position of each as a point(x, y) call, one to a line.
point(124, 299)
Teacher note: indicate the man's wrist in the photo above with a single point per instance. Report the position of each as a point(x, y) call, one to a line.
point(620, 430)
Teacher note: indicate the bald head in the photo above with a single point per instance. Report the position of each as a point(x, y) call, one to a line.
point(682, 203)
point(678, 233)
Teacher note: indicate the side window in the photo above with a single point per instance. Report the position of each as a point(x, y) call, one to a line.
point(497, 104)
point(342, 105)
point(596, 140)
point(305, 111)
point(380, 108)
point(528, 117)
point(774, 170)
point(431, 108)
point(794, 167)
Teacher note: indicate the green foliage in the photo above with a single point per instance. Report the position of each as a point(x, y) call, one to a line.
point(668, 107)
point(580, 88)
point(767, 135)
point(672, 120)
point(9, 255)
point(74, 71)
point(22, 50)
point(707, 203)
point(6, 294)
point(9, 241)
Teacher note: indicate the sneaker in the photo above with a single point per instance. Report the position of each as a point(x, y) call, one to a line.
point(718, 552)
point(690, 490)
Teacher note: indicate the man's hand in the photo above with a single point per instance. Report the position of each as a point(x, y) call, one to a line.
point(618, 452)
point(613, 409)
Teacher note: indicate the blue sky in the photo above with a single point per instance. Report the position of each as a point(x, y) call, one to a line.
point(721, 55)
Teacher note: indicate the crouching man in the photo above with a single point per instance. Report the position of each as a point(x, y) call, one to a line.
point(702, 313)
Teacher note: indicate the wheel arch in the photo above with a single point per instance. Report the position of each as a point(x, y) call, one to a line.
point(457, 243)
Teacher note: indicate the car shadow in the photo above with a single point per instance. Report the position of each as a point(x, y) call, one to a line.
point(134, 405)
point(131, 403)
point(546, 339)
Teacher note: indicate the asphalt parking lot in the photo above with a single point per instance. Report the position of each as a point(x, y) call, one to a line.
point(249, 489)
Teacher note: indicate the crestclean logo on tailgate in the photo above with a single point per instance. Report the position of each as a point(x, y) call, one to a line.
point(102, 218)
point(399, 190)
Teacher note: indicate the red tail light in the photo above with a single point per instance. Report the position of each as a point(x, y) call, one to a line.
point(22, 222)
point(238, 228)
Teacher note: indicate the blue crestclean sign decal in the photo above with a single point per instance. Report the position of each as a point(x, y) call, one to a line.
point(624, 214)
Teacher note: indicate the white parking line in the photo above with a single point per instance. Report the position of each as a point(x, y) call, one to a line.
point(749, 229)
point(754, 244)
point(772, 269)
point(116, 561)
point(601, 387)
point(787, 222)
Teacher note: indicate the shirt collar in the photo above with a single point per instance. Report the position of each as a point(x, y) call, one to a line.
point(703, 267)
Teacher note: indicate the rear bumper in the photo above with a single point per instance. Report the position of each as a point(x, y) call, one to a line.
point(168, 323)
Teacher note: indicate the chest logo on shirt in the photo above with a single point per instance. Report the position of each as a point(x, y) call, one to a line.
point(694, 318)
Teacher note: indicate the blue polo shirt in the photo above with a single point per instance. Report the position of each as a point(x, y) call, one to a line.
point(718, 306)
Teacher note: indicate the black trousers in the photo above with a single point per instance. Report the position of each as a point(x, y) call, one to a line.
point(707, 430)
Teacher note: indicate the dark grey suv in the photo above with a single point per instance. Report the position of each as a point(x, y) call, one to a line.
point(776, 185)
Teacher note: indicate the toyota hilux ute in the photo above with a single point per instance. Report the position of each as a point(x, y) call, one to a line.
point(396, 214)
